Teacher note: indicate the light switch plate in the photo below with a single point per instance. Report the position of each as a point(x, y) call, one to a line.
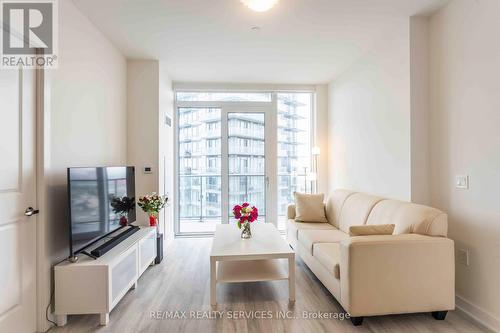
point(462, 182)
point(463, 257)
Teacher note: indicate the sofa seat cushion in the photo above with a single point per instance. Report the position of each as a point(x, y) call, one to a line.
point(310, 237)
point(328, 254)
point(293, 227)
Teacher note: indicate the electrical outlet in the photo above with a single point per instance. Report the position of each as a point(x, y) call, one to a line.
point(462, 182)
point(463, 257)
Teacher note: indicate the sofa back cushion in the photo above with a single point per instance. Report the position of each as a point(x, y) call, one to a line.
point(409, 218)
point(384, 211)
point(334, 205)
point(356, 209)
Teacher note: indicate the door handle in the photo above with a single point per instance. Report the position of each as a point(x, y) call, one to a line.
point(31, 211)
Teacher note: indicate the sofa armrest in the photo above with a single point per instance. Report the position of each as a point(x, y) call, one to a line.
point(290, 212)
point(397, 274)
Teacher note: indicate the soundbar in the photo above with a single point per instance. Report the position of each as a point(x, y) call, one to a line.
point(102, 249)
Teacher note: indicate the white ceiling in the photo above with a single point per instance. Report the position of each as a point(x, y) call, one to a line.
point(300, 41)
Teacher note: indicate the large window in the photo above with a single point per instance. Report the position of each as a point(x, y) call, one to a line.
point(224, 156)
point(199, 157)
point(294, 148)
point(223, 97)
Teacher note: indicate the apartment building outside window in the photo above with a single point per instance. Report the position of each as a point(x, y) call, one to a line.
point(224, 155)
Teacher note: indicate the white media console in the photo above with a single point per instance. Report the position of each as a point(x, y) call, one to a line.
point(95, 286)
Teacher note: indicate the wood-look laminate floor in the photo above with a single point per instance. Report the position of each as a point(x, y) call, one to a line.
point(181, 283)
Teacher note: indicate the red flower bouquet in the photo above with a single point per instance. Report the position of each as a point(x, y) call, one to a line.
point(245, 215)
point(152, 204)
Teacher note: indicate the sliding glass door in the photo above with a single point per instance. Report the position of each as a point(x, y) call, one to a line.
point(249, 158)
point(224, 159)
point(239, 147)
point(199, 168)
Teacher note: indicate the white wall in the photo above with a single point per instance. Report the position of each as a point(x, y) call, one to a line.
point(369, 121)
point(465, 72)
point(420, 115)
point(166, 149)
point(321, 133)
point(142, 118)
point(149, 99)
point(86, 121)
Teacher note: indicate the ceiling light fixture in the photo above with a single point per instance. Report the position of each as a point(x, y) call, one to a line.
point(260, 5)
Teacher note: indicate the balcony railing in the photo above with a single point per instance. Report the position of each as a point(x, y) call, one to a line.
point(254, 151)
point(241, 132)
point(200, 195)
point(210, 117)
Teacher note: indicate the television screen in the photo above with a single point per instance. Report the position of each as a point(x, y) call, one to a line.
point(101, 200)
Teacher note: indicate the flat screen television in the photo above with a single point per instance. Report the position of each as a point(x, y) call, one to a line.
point(101, 200)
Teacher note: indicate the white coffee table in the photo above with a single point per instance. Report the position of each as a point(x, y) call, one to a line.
point(264, 257)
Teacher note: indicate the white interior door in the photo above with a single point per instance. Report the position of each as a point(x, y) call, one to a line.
point(249, 160)
point(17, 192)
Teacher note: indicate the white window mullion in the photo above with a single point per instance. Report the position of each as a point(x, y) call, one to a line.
point(271, 151)
point(224, 168)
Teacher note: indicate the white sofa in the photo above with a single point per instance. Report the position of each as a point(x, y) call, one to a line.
point(410, 271)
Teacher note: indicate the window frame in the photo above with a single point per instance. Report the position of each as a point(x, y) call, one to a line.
point(232, 104)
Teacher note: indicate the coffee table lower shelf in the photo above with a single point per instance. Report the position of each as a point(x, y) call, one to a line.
point(264, 257)
point(252, 270)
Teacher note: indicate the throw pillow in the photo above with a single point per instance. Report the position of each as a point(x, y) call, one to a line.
point(372, 229)
point(309, 207)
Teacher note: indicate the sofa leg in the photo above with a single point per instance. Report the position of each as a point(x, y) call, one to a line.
point(439, 315)
point(357, 321)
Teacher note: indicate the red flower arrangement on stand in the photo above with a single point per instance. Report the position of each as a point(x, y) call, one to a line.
point(245, 215)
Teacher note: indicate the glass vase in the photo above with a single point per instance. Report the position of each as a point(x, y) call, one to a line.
point(246, 232)
point(153, 221)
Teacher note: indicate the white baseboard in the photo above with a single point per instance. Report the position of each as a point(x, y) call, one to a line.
point(477, 314)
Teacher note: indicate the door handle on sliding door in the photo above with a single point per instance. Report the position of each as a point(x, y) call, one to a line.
point(31, 211)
